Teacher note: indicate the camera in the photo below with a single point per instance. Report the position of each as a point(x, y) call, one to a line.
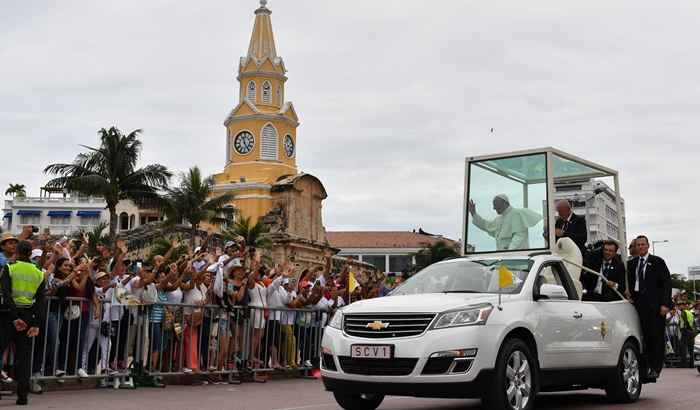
point(35, 229)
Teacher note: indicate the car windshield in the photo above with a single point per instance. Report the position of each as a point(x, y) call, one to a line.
point(467, 276)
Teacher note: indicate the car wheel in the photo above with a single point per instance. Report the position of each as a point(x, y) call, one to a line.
point(698, 368)
point(626, 386)
point(515, 381)
point(358, 401)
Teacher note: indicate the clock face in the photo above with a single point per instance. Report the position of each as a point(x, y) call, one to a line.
point(244, 143)
point(289, 146)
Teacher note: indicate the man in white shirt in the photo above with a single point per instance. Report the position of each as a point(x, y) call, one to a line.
point(511, 227)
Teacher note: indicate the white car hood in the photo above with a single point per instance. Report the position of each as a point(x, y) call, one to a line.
point(427, 303)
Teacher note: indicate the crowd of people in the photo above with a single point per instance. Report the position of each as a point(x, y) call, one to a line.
point(207, 312)
point(69, 308)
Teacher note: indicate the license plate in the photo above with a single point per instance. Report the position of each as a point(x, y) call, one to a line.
point(372, 351)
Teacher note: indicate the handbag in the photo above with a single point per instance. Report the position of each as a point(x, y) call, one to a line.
point(72, 313)
point(168, 320)
point(105, 329)
point(196, 318)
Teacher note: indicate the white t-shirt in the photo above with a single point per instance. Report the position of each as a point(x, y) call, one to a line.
point(258, 296)
point(194, 296)
point(287, 317)
point(133, 290)
point(174, 296)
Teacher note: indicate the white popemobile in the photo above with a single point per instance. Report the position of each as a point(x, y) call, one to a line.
point(500, 325)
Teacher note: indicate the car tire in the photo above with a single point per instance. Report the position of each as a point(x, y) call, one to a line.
point(516, 378)
point(358, 401)
point(698, 369)
point(626, 386)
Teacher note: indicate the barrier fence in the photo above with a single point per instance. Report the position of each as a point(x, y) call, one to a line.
point(81, 340)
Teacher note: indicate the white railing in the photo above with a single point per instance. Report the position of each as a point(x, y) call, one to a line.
point(28, 201)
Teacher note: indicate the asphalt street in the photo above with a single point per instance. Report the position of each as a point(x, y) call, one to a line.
point(678, 389)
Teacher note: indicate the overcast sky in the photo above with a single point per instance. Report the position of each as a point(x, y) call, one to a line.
point(392, 95)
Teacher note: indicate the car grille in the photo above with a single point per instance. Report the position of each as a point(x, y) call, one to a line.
point(378, 367)
point(396, 325)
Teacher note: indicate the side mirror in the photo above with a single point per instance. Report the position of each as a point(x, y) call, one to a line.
point(552, 292)
point(536, 289)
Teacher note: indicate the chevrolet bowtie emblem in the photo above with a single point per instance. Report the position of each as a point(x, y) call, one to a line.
point(377, 325)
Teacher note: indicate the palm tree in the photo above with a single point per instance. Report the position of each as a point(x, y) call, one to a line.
point(252, 233)
point(110, 171)
point(193, 202)
point(95, 236)
point(16, 190)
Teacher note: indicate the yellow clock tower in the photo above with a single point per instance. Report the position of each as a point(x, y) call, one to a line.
point(261, 130)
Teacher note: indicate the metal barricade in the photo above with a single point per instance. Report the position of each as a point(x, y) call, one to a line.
point(80, 339)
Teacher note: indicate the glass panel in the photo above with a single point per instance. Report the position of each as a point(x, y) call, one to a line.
point(465, 275)
point(379, 261)
point(507, 204)
point(399, 263)
point(566, 168)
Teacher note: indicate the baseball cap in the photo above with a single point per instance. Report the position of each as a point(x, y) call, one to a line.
point(197, 249)
point(285, 281)
point(36, 253)
point(229, 244)
point(234, 263)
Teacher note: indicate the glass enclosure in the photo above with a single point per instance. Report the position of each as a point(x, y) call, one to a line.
point(510, 201)
point(507, 208)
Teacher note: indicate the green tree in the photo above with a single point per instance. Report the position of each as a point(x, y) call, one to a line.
point(110, 171)
point(16, 190)
point(434, 253)
point(95, 236)
point(162, 245)
point(192, 201)
point(254, 234)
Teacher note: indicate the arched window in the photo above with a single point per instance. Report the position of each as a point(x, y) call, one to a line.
point(250, 95)
point(268, 145)
point(124, 221)
point(267, 93)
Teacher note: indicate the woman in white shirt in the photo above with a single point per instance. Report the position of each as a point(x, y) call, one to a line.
point(194, 295)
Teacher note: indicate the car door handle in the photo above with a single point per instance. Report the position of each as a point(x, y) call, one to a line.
point(578, 315)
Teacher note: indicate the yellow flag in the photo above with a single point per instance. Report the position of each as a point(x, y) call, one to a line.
point(352, 282)
point(505, 277)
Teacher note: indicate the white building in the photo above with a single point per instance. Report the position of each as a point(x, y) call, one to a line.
point(64, 214)
point(595, 200)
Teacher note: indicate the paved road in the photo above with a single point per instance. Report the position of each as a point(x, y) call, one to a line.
point(679, 389)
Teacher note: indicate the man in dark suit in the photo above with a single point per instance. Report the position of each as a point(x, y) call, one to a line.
point(608, 263)
point(650, 288)
point(570, 225)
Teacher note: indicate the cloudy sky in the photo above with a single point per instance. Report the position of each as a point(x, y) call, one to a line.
point(392, 95)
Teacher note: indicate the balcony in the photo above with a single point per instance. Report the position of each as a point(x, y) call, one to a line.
point(43, 201)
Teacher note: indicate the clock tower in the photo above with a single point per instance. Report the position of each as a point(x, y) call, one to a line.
point(261, 137)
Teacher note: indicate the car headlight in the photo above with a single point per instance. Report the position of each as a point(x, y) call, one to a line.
point(337, 320)
point(473, 316)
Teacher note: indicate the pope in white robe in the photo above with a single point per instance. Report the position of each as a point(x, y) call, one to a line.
point(511, 227)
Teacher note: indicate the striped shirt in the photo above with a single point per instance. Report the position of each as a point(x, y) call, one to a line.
point(157, 309)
